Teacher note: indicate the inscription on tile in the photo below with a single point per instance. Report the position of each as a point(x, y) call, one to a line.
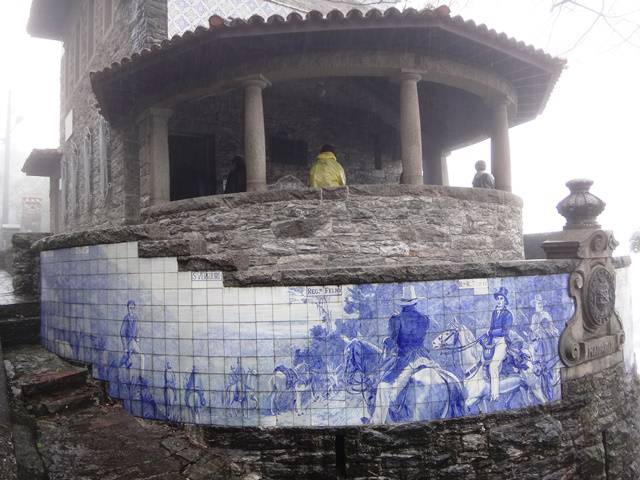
point(204, 276)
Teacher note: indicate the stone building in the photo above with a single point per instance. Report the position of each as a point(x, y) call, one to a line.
point(391, 328)
point(91, 170)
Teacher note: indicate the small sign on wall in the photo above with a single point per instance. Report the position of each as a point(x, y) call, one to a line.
point(204, 276)
point(479, 285)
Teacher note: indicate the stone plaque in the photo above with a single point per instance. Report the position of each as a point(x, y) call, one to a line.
point(600, 298)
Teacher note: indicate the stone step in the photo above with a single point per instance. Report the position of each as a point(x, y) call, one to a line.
point(34, 371)
point(35, 384)
point(65, 401)
point(20, 331)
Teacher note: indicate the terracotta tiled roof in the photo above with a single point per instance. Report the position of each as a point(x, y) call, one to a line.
point(195, 58)
point(335, 18)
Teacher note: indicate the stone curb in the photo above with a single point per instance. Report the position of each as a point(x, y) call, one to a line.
point(387, 274)
point(101, 236)
point(480, 195)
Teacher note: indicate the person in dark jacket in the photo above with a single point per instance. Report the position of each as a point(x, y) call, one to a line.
point(497, 338)
point(404, 353)
point(237, 178)
point(483, 179)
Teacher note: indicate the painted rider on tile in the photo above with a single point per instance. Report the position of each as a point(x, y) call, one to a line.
point(497, 338)
point(404, 353)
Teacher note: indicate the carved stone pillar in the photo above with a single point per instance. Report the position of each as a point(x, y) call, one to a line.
point(500, 149)
point(594, 336)
point(153, 155)
point(410, 129)
point(254, 137)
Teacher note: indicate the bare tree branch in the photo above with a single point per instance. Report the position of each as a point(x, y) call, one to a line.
point(607, 17)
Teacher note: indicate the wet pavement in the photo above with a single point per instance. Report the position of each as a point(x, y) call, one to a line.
point(98, 439)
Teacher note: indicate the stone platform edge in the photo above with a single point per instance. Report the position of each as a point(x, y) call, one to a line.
point(479, 195)
point(237, 276)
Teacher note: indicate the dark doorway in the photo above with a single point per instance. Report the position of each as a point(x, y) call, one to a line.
point(192, 166)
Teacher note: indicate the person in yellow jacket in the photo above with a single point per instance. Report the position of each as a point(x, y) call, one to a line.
point(326, 171)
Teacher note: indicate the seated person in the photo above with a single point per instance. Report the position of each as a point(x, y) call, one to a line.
point(326, 172)
point(237, 178)
point(482, 178)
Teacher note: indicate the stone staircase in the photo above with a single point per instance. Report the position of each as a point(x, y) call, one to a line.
point(45, 384)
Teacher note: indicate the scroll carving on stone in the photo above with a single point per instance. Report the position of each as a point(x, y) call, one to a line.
point(595, 330)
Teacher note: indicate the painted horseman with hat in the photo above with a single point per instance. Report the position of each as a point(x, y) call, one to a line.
point(404, 353)
point(496, 339)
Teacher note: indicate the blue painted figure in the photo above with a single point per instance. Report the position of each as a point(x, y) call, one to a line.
point(113, 376)
point(240, 394)
point(129, 338)
point(497, 339)
point(404, 353)
point(147, 402)
point(290, 388)
point(194, 395)
point(544, 336)
point(170, 394)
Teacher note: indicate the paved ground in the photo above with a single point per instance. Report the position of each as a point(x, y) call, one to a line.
point(105, 442)
point(98, 439)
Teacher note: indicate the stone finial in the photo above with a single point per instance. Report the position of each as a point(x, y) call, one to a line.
point(581, 208)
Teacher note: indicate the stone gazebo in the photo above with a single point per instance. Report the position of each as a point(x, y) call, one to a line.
point(435, 81)
point(251, 313)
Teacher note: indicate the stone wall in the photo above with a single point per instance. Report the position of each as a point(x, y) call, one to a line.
point(593, 433)
point(150, 330)
point(98, 165)
point(356, 226)
point(26, 264)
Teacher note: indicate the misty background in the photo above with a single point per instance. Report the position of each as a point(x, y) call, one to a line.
point(590, 127)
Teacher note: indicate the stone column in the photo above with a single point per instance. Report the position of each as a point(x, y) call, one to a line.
point(254, 137)
point(445, 168)
point(500, 151)
point(153, 155)
point(54, 203)
point(410, 129)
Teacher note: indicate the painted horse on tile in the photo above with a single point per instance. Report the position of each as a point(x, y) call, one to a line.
point(291, 388)
point(472, 360)
point(430, 393)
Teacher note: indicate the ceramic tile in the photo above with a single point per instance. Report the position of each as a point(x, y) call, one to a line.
point(177, 342)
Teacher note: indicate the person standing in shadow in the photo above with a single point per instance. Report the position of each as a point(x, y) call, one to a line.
point(237, 178)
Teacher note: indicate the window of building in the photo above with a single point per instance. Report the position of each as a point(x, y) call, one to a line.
point(90, 30)
point(103, 152)
point(108, 14)
point(87, 164)
point(76, 49)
